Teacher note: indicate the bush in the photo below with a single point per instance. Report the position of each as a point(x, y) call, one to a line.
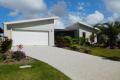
point(63, 41)
point(82, 40)
point(60, 42)
point(87, 43)
point(6, 45)
point(18, 55)
point(2, 57)
point(19, 47)
point(75, 47)
point(75, 41)
point(67, 40)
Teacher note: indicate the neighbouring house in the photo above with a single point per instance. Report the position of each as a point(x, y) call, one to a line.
point(31, 32)
point(77, 30)
point(82, 30)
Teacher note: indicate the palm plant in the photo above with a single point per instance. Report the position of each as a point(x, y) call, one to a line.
point(110, 30)
point(101, 37)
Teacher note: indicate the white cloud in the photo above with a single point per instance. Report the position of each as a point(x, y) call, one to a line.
point(114, 17)
point(95, 18)
point(59, 24)
point(13, 14)
point(60, 9)
point(28, 8)
point(113, 5)
point(35, 9)
point(74, 18)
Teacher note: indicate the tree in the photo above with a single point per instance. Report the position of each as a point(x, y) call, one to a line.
point(111, 31)
point(101, 37)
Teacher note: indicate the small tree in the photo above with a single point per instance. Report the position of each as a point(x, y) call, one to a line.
point(6, 45)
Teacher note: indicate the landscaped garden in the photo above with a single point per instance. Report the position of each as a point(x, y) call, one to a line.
point(107, 45)
point(15, 65)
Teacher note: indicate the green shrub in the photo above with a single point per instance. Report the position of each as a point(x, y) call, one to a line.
point(68, 40)
point(82, 40)
point(87, 43)
point(2, 57)
point(75, 47)
point(72, 42)
point(60, 42)
point(75, 41)
point(6, 56)
point(6, 45)
point(18, 55)
point(63, 41)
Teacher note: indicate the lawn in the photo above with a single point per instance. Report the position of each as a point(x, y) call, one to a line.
point(38, 71)
point(112, 54)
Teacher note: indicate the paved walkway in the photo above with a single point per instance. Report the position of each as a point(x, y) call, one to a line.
point(77, 66)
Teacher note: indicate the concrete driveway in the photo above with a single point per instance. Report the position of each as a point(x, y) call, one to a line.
point(77, 66)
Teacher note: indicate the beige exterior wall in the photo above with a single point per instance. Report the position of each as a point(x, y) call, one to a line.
point(87, 33)
point(46, 25)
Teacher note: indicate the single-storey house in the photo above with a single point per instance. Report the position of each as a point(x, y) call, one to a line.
point(31, 32)
point(76, 30)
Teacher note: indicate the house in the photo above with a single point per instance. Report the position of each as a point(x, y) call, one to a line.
point(31, 32)
point(42, 31)
point(82, 30)
point(77, 30)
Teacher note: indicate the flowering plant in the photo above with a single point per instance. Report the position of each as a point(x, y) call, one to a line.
point(19, 47)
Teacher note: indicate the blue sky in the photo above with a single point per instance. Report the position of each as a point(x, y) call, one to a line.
point(68, 11)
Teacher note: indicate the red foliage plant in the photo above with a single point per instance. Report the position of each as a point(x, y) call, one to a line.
point(19, 47)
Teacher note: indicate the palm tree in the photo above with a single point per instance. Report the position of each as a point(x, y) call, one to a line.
point(101, 37)
point(117, 25)
point(111, 31)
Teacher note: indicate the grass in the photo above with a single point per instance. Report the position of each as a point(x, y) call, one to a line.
point(38, 71)
point(112, 54)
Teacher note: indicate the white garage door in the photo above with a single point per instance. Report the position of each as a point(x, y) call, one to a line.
point(29, 38)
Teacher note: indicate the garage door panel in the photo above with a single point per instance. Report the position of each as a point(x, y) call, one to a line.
point(29, 38)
